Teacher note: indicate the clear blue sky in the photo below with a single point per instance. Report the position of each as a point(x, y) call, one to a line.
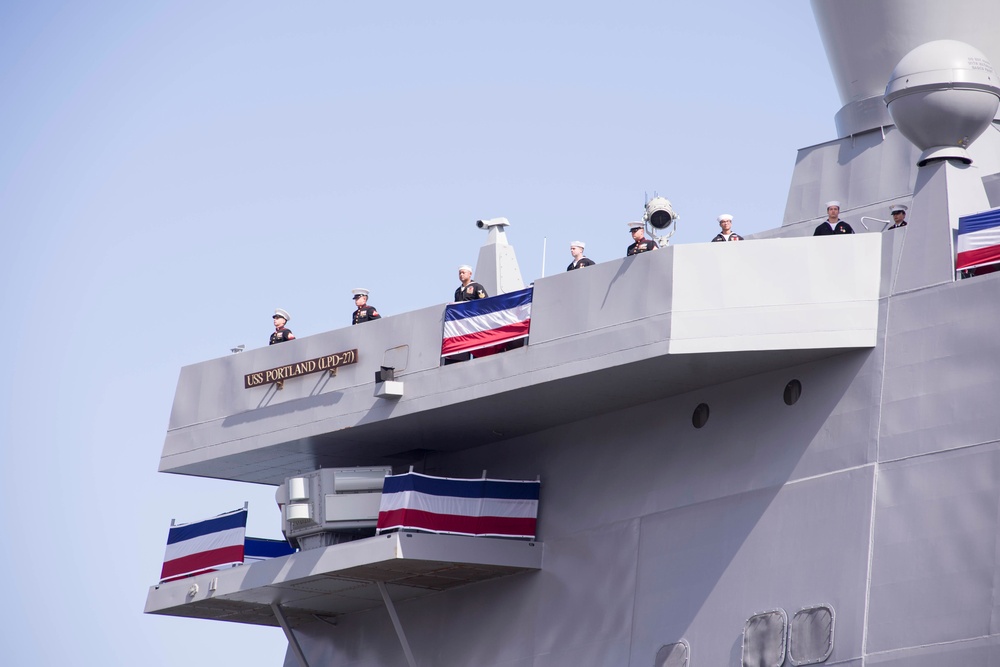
point(171, 172)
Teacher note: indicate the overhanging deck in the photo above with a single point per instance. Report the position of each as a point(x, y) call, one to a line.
point(343, 578)
point(615, 334)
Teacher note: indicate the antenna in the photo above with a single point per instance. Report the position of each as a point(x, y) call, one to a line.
point(545, 240)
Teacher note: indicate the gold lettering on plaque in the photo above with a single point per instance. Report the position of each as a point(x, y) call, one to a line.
point(330, 362)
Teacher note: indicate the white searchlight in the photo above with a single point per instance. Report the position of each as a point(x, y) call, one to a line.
point(660, 215)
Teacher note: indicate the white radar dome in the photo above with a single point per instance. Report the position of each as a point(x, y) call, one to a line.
point(942, 95)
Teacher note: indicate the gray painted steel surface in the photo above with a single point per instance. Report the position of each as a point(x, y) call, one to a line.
point(601, 328)
point(877, 493)
point(343, 579)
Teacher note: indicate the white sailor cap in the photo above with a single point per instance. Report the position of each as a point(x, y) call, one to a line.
point(355, 293)
point(725, 216)
point(579, 244)
point(833, 203)
point(898, 207)
point(278, 312)
point(635, 225)
point(465, 267)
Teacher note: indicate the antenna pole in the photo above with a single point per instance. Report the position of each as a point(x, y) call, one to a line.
point(544, 241)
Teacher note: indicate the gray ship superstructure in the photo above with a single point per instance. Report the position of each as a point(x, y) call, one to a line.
point(782, 451)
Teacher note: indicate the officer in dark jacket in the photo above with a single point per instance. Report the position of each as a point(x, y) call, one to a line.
point(281, 334)
point(727, 234)
point(468, 290)
point(640, 242)
point(364, 313)
point(898, 212)
point(833, 224)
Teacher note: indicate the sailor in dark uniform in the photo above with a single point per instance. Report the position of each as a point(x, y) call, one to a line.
point(727, 234)
point(640, 242)
point(468, 290)
point(898, 216)
point(281, 334)
point(579, 261)
point(364, 313)
point(833, 224)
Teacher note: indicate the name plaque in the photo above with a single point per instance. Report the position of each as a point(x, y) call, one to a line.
point(328, 363)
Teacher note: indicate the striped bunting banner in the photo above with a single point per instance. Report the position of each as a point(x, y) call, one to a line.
point(479, 507)
point(474, 325)
point(203, 546)
point(978, 241)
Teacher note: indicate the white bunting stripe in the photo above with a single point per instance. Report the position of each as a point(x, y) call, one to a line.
point(425, 502)
point(202, 543)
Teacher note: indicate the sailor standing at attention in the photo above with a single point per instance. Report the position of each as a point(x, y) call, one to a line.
point(640, 242)
point(364, 313)
point(468, 290)
point(281, 334)
point(833, 224)
point(727, 233)
point(579, 261)
point(898, 216)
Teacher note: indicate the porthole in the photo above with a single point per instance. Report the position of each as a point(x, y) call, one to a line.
point(793, 390)
point(764, 639)
point(700, 416)
point(810, 636)
point(673, 655)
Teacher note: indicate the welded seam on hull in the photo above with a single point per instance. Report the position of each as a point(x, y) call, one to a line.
point(635, 590)
point(871, 556)
point(930, 645)
point(875, 475)
point(821, 475)
point(936, 452)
